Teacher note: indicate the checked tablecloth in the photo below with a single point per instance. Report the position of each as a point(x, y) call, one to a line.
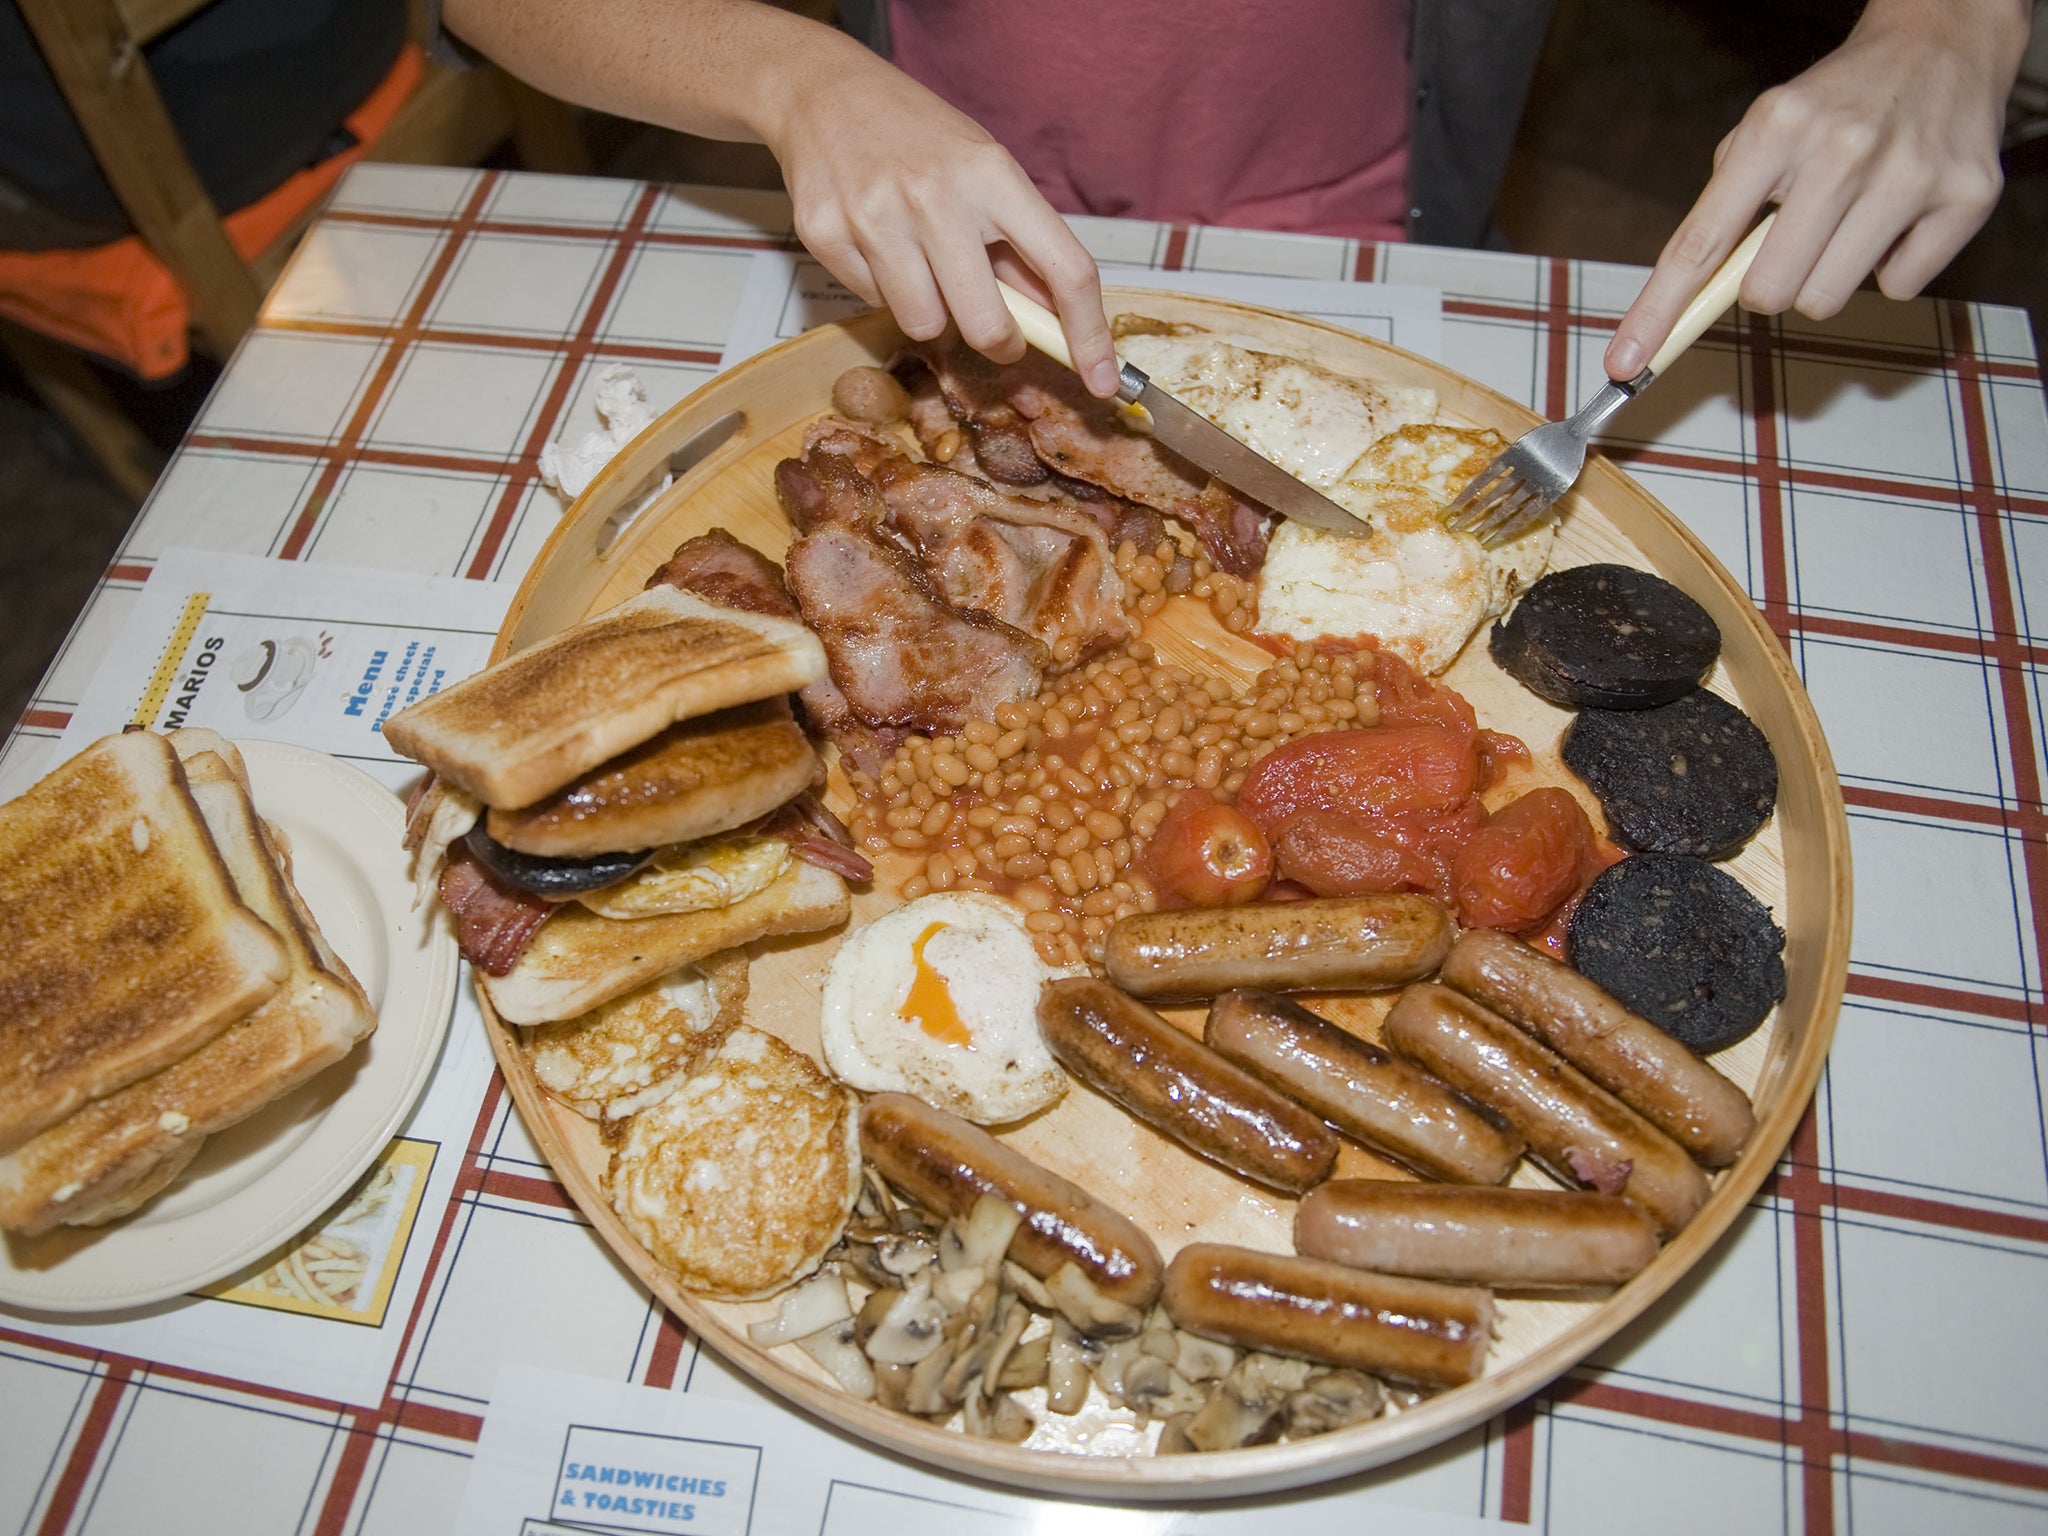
point(1866, 1351)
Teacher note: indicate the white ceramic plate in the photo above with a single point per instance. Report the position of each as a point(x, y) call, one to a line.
point(259, 1183)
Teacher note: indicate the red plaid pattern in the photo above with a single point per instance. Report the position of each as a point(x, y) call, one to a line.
point(1864, 1350)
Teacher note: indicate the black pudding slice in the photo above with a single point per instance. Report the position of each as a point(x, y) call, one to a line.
point(1682, 944)
point(556, 879)
point(1695, 776)
point(1606, 637)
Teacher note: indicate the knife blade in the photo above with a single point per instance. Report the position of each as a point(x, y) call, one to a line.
point(1192, 435)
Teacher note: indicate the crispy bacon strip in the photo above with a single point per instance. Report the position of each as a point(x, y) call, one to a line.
point(817, 837)
point(493, 922)
point(899, 654)
point(720, 569)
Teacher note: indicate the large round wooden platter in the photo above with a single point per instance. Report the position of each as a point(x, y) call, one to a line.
point(1799, 865)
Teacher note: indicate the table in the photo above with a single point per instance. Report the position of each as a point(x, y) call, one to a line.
point(1865, 1351)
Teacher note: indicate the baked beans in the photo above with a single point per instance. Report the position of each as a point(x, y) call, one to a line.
point(1052, 802)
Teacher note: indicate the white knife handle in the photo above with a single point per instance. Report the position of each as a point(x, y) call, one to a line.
point(1712, 301)
point(1041, 327)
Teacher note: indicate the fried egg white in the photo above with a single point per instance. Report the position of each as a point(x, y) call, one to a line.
point(1379, 453)
point(940, 999)
point(694, 877)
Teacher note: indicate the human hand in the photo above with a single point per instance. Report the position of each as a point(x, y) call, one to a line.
point(911, 204)
point(1882, 157)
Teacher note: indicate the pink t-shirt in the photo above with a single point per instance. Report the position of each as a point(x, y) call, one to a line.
point(1279, 114)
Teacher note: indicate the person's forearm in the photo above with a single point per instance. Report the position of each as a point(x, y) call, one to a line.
point(721, 69)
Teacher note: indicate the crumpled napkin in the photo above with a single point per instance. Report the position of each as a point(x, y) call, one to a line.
point(623, 409)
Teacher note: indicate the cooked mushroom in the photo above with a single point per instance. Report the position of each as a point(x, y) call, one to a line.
point(871, 395)
point(1025, 1365)
point(1091, 1312)
point(1200, 1359)
point(1066, 1369)
point(921, 1394)
point(834, 1348)
point(1333, 1399)
point(891, 1383)
point(1158, 1338)
point(1010, 1421)
point(910, 1326)
point(1028, 1285)
point(820, 1302)
point(904, 1253)
point(1173, 1436)
point(980, 1241)
point(1010, 1322)
point(956, 1289)
point(1153, 1388)
point(1244, 1408)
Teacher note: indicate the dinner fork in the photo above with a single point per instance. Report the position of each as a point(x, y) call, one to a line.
point(1518, 489)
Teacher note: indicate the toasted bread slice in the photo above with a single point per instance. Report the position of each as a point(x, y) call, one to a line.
point(127, 945)
point(578, 960)
point(188, 741)
point(693, 780)
point(741, 1179)
point(525, 727)
point(631, 1053)
point(128, 1201)
point(96, 1163)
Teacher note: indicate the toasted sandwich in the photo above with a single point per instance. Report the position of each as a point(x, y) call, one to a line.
point(129, 943)
point(622, 800)
point(121, 1149)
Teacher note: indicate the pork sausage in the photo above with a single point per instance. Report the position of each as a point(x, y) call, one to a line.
point(1574, 1127)
point(1421, 1331)
point(946, 1164)
point(1335, 944)
point(1627, 1055)
point(1181, 1088)
point(1498, 1237)
point(1361, 1089)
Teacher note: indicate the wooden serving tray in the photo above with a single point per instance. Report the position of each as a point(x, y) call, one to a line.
point(1799, 865)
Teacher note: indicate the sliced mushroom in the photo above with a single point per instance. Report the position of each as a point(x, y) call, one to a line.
point(1333, 1399)
point(1200, 1359)
point(957, 1288)
point(1243, 1408)
point(977, 1341)
point(910, 1327)
point(1091, 1312)
point(1153, 1388)
point(877, 1201)
point(981, 1240)
point(1026, 1364)
point(861, 1259)
point(834, 1348)
point(1011, 1423)
point(1066, 1369)
point(1028, 1285)
point(891, 1383)
point(1109, 1366)
point(1009, 1323)
point(921, 1394)
point(1173, 1436)
point(1158, 1338)
point(819, 1302)
point(904, 1253)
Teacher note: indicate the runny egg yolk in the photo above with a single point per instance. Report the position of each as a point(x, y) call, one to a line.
point(930, 1003)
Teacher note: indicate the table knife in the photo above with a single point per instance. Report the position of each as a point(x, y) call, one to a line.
point(1194, 437)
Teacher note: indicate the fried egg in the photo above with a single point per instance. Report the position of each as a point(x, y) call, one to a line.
point(1380, 454)
point(694, 877)
point(940, 999)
